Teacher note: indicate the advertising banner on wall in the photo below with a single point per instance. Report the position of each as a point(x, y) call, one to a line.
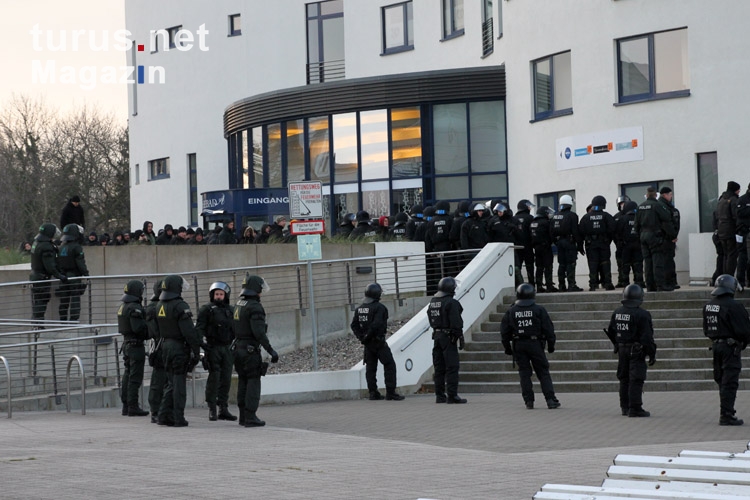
point(600, 148)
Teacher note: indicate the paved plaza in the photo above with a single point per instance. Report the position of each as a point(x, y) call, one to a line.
point(491, 448)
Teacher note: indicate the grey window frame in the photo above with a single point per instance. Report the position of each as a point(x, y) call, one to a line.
point(232, 31)
point(153, 167)
point(406, 46)
point(450, 5)
point(554, 112)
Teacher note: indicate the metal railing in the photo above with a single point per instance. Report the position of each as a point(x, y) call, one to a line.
point(488, 38)
point(325, 71)
point(83, 384)
point(7, 376)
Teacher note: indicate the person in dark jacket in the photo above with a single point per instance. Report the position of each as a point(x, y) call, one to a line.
point(346, 226)
point(93, 240)
point(417, 218)
point(597, 228)
point(148, 230)
point(262, 236)
point(622, 280)
point(567, 238)
point(131, 323)
point(459, 217)
point(541, 239)
point(72, 263)
point(43, 268)
point(726, 323)
point(398, 230)
point(727, 213)
point(227, 236)
point(180, 238)
point(444, 314)
point(743, 232)
point(198, 238)
point(72, 213)
point(165, 238)
point(277, 229)
point(474, 230)
point(632, 333)
point(500, 227)
point(653, 222)
point(632, 256)
point(719, 268)
point(670, 245)
point(524, 330)
point(364, 229)
point(524, 256)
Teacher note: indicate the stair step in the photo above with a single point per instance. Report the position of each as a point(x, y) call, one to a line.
point(664, 353)
point(598, 334)
point(605, 315)
point(591, 375)
point(571, 365)
point(588, 386)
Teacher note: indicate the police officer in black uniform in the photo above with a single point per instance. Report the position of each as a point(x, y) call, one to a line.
point(43, 268)
point(524, 330)
point(155, 356)
point(524, 256)
point(541, 238)
point(670, 245)
point(474, 234)
point(71, 262)
point(632, 332)
point(364, 229)
point(743, 231)
point(632, 256)
point(131, 322)
point(251, 331)
point(398, 230)
point(727, 324)
point(369, 326)
point(622, 281)
point(444, 315)
point(459, 217)
point(568, 240)
point(500, 227)
point(726, 211)
point(181, 349)
point(653, 222)
point(417, 218)
point(346, 226)
point(597, 228)
point(437, 239)
point(216, 323)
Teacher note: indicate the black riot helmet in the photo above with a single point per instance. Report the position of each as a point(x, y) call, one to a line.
point(252, 285)
point(133, 288)
point(347, 219)
point(401, 218)
point(463, 208)
point(442, 208)
point(416, 211)
point(49, 230)
point(525, 294)
point(725, 284)
point(220, 285)
point(621, 200)
point(72, 232)
point(447, 286)
point(171, 287)
point(429, 212)
point(524, 205)
point(545, 212)
point(630, 206)
point(599, 201)
point(632, 295)
point(363, 216)
point(373, 291)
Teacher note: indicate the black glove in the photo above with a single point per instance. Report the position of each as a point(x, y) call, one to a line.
point(274, 356)
point(550, 348)
point(651, 359)
point(63, 278)
point(509, 351)
point(461, 343)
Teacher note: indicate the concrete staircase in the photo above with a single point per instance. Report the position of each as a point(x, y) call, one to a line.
point(583, 360)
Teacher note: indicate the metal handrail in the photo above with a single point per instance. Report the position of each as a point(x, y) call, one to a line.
point(61, 329)
point(7, 374)
point(83, 384)
point(60, 341)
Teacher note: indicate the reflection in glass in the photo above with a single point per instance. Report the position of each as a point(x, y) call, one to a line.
point(345, 147)
point(245, 166)
point(449, 130)
point(671, 60)
point(451, 188)
point(708, 189)
point(274, 155)
point(295, 150)
point(258, 157)
point(634, 67)
point(563, 81)
point(373, 133)
point(542, 88)
point(489, 186)
point(403, 199)
point(376, 203)
point(487, 121)
point(393, 17)
point(406, 142)
point(346, 203)
point(319, 149)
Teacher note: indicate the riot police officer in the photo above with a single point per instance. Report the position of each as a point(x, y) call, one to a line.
point(131, 322)
point(500, 227)
point(72, 263)
point(181, 349)
point(417, 218)
point(421, 229)
point(364, 229)
point(43, 268)
point(524, 330)
point(250, 329)
point(474, 230)
point(216, 323)
point(369, 326)
point(597, 228)
point(444, 315)
point(727, 324)
point(541, 239)
point(346, 226)
point(459, 217)
point(632, 256)
point(654, 224)
point(155, 356)
point(567, 238)
point(398, 230)
point(670, 244)
point(632, 332)
point(524, 256)
point(622, 281)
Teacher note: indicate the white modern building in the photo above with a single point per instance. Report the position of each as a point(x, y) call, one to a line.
point(391, 104)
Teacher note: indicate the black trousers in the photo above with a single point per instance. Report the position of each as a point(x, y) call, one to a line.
point(632, 259)
point(567, 254)
point(742, 261)
point(652, 246)
point(631, 372)
point(598, 255)
point(719, 258)
point(524, 257)
point(378, 350)
point(530, 354)
point(730, 254)
point(670, 272)
point(445, 361)
point(543, 259)
point(727, 368)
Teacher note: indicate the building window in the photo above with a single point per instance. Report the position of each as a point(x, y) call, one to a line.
point(158, 169)
point(295, 151)
point(274, 149)
point(398, 28)
point(193, 171)
point(553, 94)
point(319, 149)
point(488, 39)
point(137, 174)
point(235, 25)
point(406, 142)
point(453, 18)
point(257, 136)
point(637, 191)
point(552, 200)
point(373, 138)
point(345, 164)
point(653, 66)
point(325, 41)
point(500, 18)
point(173, 42)
point(708, 189)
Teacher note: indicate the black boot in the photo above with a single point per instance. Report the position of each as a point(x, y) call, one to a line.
point(394, 396)
point(124, 409)
point(225, 415)
point(375, 396)
point(242, 416)
point(136, 411)
point(253, 421)
point(456, 400)
point(212, 412)
point(730, 420)
point(638, 412)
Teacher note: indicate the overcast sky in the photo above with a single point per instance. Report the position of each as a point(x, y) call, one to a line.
point(99, 19)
